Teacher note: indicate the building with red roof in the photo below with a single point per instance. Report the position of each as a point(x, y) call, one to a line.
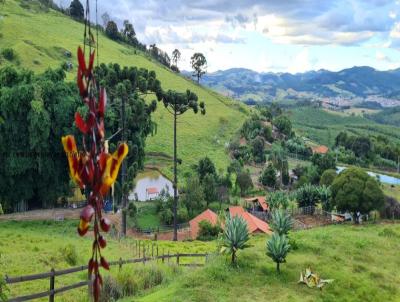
point(254, 224)
point(152, 192)
point(258, 203)
point(207, 215)
point(320, 149)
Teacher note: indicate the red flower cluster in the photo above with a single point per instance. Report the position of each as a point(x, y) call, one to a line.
point(93, 168)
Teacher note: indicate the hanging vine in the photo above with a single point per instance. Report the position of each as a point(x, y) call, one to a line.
point(93, 168)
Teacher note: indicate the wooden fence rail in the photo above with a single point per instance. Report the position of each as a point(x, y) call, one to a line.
point(52, 274)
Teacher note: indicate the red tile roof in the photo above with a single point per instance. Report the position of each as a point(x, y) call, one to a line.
point(254, 224)
point(320, 149)
point(261, 201)
point(207, 215)
point(152, 190)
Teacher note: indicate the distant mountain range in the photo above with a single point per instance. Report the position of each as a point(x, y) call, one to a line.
point(354, 85)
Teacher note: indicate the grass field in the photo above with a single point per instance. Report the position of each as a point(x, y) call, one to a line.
point(323, 126)
point(392, 191)
point(362, 260)
point(40, 40)
point(36, 247)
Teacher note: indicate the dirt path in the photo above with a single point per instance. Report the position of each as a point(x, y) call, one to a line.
point(50, 214)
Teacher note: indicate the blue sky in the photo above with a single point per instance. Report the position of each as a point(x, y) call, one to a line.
point(268, 35)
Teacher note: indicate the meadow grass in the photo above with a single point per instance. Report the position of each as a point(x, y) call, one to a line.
point(36, 247)
point(363, 260)
point(40, 40)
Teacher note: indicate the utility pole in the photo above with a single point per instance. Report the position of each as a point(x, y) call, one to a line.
point(123, 174)
point(175, 181)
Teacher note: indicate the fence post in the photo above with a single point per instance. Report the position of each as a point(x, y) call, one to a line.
point(163, 254)
point(168, 256)
point(157, 253)
point(152, 250)
point(120, 263)
point(144, 254)
point(139, 249)
point(52, 281)
point(177, 259)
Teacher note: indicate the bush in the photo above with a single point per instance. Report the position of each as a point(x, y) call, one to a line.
point(151, 276)
point(208, 231)
point(111, 290)
point(8, 54)
point(391, 208)
point(70, 254)
point(132, 210)
point(1, 210)
point(127, 283)
point(327, 177)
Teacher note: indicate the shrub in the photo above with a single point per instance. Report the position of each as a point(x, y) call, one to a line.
point(8, 54)
point(278, 200)
point(3, 289)
point(70, 254)
point(391, 208)
point(1, 210)
point(151, 276)
point(307, 195)
point(386, 232)
point(132, 210)
point(327, 177)
point(208, 231)
point(111, 290)
point(127, 283)
point(268, 176)
point(235, 236)
point(277, 249)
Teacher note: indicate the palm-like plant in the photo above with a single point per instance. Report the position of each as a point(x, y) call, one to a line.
point(277, 248)
point(235, 236)
point(325, 194)
point(281, 222)
point(277, 200)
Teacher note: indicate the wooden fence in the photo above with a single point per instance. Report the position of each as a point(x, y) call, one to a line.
point(51, 293)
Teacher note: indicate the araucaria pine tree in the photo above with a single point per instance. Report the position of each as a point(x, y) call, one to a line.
point(177, 104)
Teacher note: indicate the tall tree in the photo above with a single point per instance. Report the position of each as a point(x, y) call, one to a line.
point(105, 18)
point(204, 167)
point(177, 104)
point(176, 55)
point(129, 33)
point(112, 30)
point(278, 158)
point(76, 10)
point(199, 64)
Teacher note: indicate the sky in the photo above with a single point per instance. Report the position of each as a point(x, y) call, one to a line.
point(267, 35)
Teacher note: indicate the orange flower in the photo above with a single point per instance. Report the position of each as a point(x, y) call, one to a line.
point(74, 158)
point(113, 163)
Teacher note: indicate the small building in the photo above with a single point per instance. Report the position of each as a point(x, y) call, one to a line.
point(152, 193)
point(257, 203)
point(320, 149)
point(207, 215)
point(254, 224)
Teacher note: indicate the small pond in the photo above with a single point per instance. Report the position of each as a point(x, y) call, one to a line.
point(382, 177)
point(149, 184)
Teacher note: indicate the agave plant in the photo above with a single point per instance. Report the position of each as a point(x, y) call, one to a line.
point(235, 237)
point(313, 280)
point(277, 248)
point(281, 222)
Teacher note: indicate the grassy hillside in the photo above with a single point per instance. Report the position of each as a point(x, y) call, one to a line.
point(353, 256)
point(323, 126)
point(40, 39)
point(363, 260)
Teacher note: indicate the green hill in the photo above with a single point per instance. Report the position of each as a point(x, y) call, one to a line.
point(40, 38)
point(323, 126)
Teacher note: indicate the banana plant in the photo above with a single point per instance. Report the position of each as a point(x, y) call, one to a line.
point(313, 280)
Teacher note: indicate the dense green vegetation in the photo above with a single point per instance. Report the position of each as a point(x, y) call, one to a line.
point(389, 116)
point(57, 34)
point(323, 127)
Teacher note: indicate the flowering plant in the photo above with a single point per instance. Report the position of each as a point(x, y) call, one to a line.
point(93, 168)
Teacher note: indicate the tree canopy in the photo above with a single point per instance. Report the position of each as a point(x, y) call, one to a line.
point(76, 9)
point(199, 64)
point(354, 190)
